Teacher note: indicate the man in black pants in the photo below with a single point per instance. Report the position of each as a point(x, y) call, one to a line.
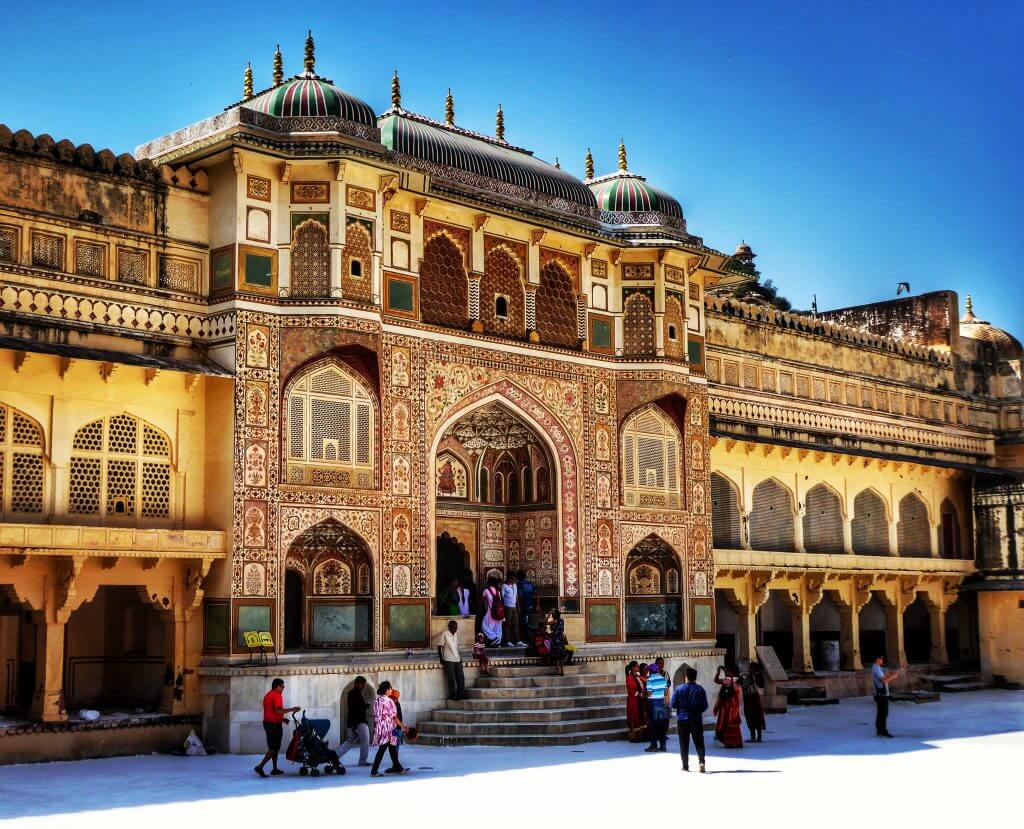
point(451, 662)
point(274, 713)
point(880, 679)
point(690, 702)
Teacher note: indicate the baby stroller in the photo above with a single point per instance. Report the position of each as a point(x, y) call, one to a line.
point(308, 746)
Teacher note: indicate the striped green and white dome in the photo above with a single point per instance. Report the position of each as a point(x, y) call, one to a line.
point(625, 192)
point(312, 96)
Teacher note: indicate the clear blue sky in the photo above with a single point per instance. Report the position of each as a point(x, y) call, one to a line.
point(852, 145)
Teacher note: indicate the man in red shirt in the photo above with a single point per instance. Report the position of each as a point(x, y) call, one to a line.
point(274, 713)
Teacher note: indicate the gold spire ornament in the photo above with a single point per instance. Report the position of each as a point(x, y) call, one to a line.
point(622, 155)
point(969, 304)
point(310, 57)
point(558, 164)
point(449, 108)
point(396, 92)
point(588, 164)
point(499, 124)
point(278, 66)
point(247, 84)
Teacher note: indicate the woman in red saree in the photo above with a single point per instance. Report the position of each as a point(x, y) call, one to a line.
point(636, 703)
point(727, 709)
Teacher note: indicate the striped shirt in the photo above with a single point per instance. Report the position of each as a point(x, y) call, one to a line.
point(657, 685)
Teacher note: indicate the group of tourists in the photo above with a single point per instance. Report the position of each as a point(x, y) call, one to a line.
point(389, 731)
point(650, 701)
point(502, 611)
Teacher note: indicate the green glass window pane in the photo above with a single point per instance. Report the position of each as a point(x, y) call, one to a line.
point(222, 271)
point(695, 351)
point(259, 269)
point(702, 618)
point(339, 625)
point(216, 626)
point(604, 619)
point(407, 624)
point(653, 620)
point(400, 297)
point(600, 334)
point(252, 617)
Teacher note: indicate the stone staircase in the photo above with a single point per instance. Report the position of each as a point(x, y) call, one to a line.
point(527, 705)
point(953, 683)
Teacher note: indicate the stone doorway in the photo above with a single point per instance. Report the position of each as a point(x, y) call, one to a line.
point(654, 607)
point(294, 601)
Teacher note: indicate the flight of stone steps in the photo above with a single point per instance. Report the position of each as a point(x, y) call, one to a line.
point(527, 705)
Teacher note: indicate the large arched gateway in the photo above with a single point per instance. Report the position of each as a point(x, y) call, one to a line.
point(328, 589)
point(495, 509)
point(654, 607)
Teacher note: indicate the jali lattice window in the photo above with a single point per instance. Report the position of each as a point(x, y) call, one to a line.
point(21, 459)
point(120, 469)
point(330, 430)
point(650, 460)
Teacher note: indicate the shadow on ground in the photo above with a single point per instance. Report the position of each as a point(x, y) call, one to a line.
point(50, 789)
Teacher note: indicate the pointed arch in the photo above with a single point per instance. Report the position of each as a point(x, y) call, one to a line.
point(771, 524)
point(329, 427)
point(638, 337)
point(950, 539)
point(913, 532)
point(503, 279)
point(310, 260)
point(652, 579)
point(650, 458)
point(823, 520)
point(675, 328)
point(726, 524)
point(556, 306)
point(444, 286)
point(870, 526)
point(22, 465)
point(120, 469)
point(357, 267)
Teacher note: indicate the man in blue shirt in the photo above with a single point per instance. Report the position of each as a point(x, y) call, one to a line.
point(657, 707)
point(690, 702)
point(880, 679)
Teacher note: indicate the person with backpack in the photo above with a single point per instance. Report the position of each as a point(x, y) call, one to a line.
point(727, 708)
point(493, 613)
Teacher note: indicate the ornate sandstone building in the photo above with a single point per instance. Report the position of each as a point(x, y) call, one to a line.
point(294, 368)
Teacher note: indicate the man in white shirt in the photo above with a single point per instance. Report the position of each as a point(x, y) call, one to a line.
point(451, 662)
point(510, 598)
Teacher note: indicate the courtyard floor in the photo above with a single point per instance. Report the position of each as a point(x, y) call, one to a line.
point(954, 761)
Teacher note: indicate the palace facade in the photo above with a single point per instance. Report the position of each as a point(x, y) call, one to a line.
point(296, 367)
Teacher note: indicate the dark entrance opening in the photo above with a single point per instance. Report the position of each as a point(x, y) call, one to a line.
point(452, 562)
point(917, 632)
point(294, 599)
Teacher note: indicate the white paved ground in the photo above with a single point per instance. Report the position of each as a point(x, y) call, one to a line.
point(956, 761)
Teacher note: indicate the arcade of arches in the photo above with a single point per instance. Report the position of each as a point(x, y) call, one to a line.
point(494, 485)
point(833, 566)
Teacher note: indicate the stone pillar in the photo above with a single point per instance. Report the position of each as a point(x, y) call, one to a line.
point(47, 703)
point(849, 637)
point(848, 536)
point(894, 546)
point(798, 530)
point(659, 333)
point(284, 270)
point(335, 276)
point(894, 651)
point(377, 285)
point(172, 699)
point(747, 639)
point(801, 620)
point(937, 620)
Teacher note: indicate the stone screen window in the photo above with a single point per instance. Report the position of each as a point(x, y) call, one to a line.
point(21, 459)
point(48, 251)
point(120, 472)
point(650, 459)
point(330, 429)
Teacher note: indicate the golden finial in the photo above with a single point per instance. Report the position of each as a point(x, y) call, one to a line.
point(499, 124)
point(449, 108)
point(588, 163)
point(396, 92)
point(622, 155)
point(969, 304)
point(247, 84)
point(310, 57)
point(558, 164)
point(278, 66)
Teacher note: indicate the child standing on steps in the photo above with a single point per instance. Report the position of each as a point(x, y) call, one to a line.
point(480, 652)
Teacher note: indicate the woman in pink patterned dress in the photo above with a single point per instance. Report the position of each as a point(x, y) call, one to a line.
point(386, 728)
